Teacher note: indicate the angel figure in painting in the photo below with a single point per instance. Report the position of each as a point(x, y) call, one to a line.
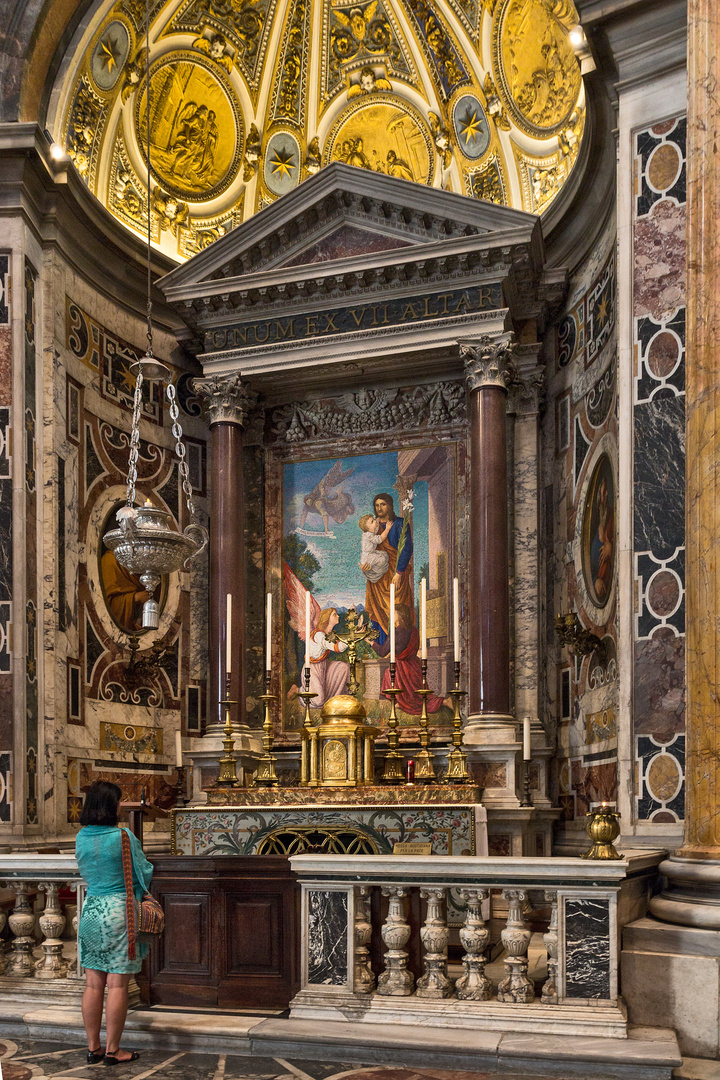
point(328, 676)
point(328, 503)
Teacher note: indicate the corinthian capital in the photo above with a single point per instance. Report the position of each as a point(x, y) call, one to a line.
point(489, 361)
point(228, 399)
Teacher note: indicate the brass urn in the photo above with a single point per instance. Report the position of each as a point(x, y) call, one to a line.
point(603, 828)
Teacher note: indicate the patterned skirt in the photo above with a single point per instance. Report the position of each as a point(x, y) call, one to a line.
point(102, 936)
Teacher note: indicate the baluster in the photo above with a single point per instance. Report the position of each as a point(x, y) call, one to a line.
point(22, 924)
point(434, 936)
point(396, 980)
point(52, 923)
point(516, 938)
point(363, 979)
point(3, 920)
point(473, 984)
point(549, 991)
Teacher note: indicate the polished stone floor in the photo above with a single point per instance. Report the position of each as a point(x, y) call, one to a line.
point(26, 1060)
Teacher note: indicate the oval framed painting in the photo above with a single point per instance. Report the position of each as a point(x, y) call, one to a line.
point(598, 533)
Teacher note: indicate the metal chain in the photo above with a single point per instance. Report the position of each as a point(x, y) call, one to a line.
point(180, 450)
point(134, 440)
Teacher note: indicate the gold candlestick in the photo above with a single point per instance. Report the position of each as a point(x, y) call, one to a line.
point(265, 775)
point(424, 767)
point(308, 749)
point(228, 765)
point(603, 828)
point(393, 773)
point(457, 758)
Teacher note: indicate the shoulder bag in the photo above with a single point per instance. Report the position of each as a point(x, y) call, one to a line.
point(146, 918)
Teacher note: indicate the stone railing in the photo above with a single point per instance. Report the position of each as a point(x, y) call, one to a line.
point(24, 875)
point(428, 900)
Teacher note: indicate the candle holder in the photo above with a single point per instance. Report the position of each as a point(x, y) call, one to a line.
point(265, 775)
point(603, 828)
point(393, 772)
point(308, 749)
point(424, 766)
point(180, 799)
point(526, 799)
point(457, 772)
point(228, 765)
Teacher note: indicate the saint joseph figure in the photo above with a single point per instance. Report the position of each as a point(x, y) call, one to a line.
point(377, 593)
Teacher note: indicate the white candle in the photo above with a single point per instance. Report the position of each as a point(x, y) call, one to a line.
point(423, 620)
point(392, 623)
point(307, 629)
point(228, 634)
point(527, 752)
point(178, 749)
point(456, 618)
point(268, 633)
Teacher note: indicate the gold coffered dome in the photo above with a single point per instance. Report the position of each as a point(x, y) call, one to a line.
point(250, 97)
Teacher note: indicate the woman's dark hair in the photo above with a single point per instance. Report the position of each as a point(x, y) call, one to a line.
point(101, 804)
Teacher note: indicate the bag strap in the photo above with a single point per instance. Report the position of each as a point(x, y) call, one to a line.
point(129, 895)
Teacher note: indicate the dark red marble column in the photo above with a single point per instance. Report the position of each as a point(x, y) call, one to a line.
point(489, 369)
point(228, 404)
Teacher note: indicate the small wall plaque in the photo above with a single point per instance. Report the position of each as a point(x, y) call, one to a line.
point(412, 847)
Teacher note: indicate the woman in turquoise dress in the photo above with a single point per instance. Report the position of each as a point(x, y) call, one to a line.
point(102, 931)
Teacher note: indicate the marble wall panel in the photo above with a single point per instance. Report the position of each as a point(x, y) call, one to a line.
point(587, 948)
point(659, 471)
point(580, 693)
point(327, 937)
point(32, 554)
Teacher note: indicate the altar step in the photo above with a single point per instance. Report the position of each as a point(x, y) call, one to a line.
point(647, 1053)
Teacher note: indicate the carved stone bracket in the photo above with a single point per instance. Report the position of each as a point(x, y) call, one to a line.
point(228, 399)
point(490, 361)
point(527, 395)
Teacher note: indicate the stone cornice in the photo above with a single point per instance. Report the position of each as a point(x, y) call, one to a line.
point(228, 400)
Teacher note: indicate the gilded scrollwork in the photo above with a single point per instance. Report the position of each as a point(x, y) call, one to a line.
point(244, 23)
point(362, 35)
point(127, 198)
point(134, 73)
point(83, 129)
point(199, 233)
point(289, 100)
point(487, 183)
point(171, 213)
point(443, 53)
point(251, 159)
point(495, 107)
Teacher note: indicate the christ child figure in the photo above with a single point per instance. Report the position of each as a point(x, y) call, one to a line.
point(374, 563)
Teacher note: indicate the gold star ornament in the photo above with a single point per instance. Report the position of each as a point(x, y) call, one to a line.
point(471, 125)
point(282, 163)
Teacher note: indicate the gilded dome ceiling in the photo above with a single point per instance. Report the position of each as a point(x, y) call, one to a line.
point(250, 97)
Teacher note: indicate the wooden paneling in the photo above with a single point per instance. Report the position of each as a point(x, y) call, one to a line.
point(231, 932)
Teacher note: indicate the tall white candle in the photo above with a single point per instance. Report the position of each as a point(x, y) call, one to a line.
point(228, 634)
point(268, 632)
point(527, 751)
point(456, 618)
point(307, 629)
point(392, 623)
point(423, 620)
point(178, 749)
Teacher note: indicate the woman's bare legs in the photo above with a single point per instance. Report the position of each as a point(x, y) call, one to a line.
point(92, 1005)
point(115, 1013)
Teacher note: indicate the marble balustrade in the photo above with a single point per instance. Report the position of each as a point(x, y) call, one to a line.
point(29, 874)
point(587, 903)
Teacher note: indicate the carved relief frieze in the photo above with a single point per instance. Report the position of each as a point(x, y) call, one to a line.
point(368, 412)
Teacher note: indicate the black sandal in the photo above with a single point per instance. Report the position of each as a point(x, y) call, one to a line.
point(94, 1057)
point(110, 1059)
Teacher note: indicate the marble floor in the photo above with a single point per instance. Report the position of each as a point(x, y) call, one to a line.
point(30, 1059)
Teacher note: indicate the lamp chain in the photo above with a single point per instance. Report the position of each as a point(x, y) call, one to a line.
point(134, 440)
point(180, 450)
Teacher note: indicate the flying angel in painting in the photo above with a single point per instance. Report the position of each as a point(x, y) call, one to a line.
point(327, 502)
point(328, 676)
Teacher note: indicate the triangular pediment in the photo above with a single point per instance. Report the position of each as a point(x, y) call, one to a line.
point(343, 214)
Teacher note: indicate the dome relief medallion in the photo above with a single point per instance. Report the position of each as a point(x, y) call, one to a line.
point(249, 98)
point(196, 127)
point(534, 63)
